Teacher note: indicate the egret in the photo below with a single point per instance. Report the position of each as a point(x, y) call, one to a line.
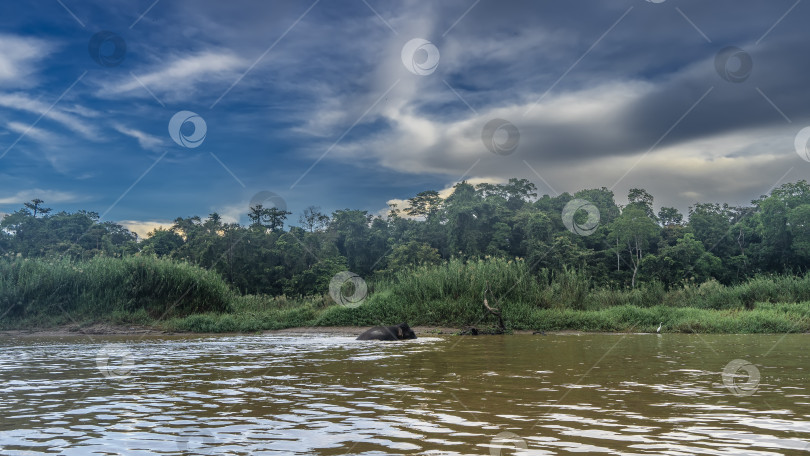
point(659, 327)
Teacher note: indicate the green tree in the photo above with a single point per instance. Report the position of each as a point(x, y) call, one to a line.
point(424, 204)
point(412, 254)
point(161, 242)
point(36, 207)
point(686, 260)
point(271, 218)
point(351, 232)
point(463, 228)
point(798, 221)
point(635, 232)
point(669, 216)
point(776, 239)
point(641, 199)
point(604, 200)
point(312, 219)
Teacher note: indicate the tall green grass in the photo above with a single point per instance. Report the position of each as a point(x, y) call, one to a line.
point(49, 292)
point(511, 283)
point(452, 294)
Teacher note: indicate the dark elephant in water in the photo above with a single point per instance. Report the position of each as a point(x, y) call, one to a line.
point(396, 332)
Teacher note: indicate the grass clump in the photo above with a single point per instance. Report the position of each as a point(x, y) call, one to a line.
point(40, 292)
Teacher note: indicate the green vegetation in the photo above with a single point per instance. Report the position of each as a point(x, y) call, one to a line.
point(39, 292)
point(721, 269)
point(451, 295)
point(180, 297)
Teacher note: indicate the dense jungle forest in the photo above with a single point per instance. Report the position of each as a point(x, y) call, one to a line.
point(433, 243)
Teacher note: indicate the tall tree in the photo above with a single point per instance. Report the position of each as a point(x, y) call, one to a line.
point(669, 216)
point(635, 231)
point(312, 219)
point(36, 207)
point(798, 221)
point(271, 218)
point(274, 218)
point(424, 204)
point(640, 198)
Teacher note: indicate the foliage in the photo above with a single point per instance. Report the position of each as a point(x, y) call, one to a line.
point(429, 260)
point(71, 291)
point(181, 297)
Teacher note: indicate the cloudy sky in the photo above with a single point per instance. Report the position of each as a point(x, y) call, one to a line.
point(357, 103)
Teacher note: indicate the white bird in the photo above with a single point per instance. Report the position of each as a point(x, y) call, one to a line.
point(659, 327)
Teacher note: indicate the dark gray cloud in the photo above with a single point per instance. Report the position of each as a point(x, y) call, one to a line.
point(606, 91)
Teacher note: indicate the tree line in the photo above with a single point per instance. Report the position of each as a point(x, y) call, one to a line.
point(630, 244)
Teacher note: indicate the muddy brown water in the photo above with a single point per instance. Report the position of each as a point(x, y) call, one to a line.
point(305, 394)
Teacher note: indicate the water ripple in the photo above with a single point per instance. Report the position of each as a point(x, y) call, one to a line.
point(315, 394)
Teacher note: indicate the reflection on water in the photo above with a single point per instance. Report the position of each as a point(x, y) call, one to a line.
point(296, 395)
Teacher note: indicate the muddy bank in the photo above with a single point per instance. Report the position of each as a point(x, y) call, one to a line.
point(76, 330)
point(113, 330)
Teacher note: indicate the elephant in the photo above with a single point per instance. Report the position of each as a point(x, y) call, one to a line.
point(396, 332)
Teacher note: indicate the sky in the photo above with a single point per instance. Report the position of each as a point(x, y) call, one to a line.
point(144, 111)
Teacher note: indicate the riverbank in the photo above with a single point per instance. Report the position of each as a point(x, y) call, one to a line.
point(154, 294)
point(764, 318)
point(343, 331)
point(114, 330)
point(99, 329)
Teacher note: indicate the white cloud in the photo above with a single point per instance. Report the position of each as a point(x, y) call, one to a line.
point(19, 59)
point(233, 213)
point(80, 110)
point(145, 140)
point(35, 133)
point(49, 196)
point(178, 77)
point(735, 167)
point(23, 102)
point(417, 143)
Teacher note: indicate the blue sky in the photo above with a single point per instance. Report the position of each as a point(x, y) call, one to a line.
point(617, 94)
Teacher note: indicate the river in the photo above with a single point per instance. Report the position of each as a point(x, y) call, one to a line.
point(671, 394)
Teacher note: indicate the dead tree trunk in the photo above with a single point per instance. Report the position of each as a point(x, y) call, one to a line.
point(496, 312)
